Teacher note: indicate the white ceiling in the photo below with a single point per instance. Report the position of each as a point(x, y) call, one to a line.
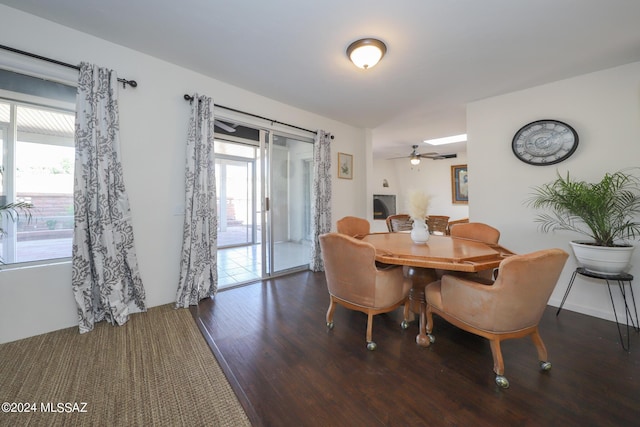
point(441, 54)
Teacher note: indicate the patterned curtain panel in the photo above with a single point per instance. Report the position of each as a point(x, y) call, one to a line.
point(321, 203)
point(199, 264)
point(105, 277)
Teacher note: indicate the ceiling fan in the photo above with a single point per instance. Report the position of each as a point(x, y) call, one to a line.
point(415, 156)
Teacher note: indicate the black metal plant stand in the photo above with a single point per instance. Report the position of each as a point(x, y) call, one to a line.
point(622, 279)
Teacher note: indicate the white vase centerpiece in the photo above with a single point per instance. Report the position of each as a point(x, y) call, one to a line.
point(418, 204)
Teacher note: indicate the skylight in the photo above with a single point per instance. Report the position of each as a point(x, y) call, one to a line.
point(447, 139)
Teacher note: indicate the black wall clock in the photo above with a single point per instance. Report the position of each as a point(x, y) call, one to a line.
point(544, 142)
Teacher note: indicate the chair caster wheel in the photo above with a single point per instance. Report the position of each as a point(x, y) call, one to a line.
point(371, 346)
point(330, 325)
point(545, 366)
point(502, 381)
point(404, 324)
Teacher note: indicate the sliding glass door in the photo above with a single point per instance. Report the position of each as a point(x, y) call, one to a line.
point(264, 185)
point(289, 160)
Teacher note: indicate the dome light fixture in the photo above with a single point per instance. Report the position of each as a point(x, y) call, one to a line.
point(366, 53)
point(415, 160)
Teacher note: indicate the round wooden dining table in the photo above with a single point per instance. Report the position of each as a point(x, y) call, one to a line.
point(422, 261)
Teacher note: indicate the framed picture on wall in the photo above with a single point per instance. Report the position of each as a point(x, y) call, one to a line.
point(459, 184)
point(345, 166)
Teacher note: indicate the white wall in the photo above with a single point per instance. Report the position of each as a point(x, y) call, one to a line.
point(431, 176)
point(153, 126)
point(604, 108)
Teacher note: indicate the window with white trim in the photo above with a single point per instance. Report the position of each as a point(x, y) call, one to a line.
point(37, 120)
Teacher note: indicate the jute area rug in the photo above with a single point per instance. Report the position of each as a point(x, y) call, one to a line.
point(156, 370)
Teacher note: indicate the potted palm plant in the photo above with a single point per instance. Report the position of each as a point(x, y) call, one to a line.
point(12, 211)
point(607, 212)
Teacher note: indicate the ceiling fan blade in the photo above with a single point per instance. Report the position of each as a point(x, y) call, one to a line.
point(443, 156)
point(224, 126)
point(429, 155)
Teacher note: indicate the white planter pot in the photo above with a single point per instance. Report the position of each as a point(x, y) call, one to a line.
point(602, 260)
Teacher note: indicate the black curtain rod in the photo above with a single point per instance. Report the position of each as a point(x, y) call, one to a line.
point(190, 99)
point(124, 82)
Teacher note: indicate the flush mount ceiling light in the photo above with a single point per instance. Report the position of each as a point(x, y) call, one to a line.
point(365, 53)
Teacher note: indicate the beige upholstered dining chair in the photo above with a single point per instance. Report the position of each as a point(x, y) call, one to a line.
point(438, 224)
point(476, 231)
point(511, 307)
point(456, 221)
point(354, 281)
point(399, 222)
point(481, 232)
point(353, 226)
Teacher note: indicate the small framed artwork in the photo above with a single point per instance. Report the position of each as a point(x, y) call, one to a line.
point(345, 166)
point(459, 184)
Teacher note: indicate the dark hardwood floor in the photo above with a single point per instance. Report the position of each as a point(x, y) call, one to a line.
point(289, 370)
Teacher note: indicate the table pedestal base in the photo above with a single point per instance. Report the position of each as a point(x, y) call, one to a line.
point(420, 277)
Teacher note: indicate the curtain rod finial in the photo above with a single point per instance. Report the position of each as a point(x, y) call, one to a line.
point(126, 82)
